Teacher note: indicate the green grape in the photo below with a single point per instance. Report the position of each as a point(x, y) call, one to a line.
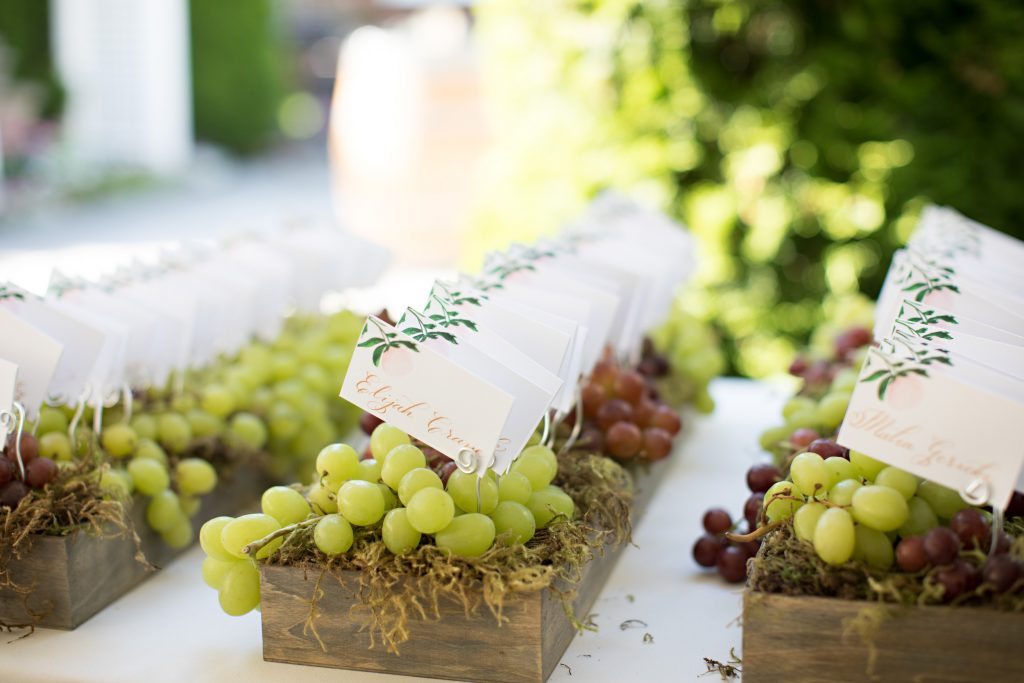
point(215, 570)
point(430, 510)
point(283, 366)
point(416, 479)
point(195, 476)
point(842, 492)
point(261, 400)
point(384, 439)
point(369, 470)
point(209, 538)
point(803, 419)
point(797, 404)
point(117, 483)
point(51, 420)
point(920, 518)
point(872, 547)
point(283, 421)
point(538, 464)
point(514, 487)
point(879, 507)
point(834, 536)
point(243, 530)
point(844, 381)
point(336, 464)
point(284, 504)
point(56, 446)
point(292, 392)
point(150, 476)
point(867, 466)
point(944, 502)
point(468, 535)
point(314, 377)
point(781, 508)
point(805, 520)
point(549, 504)
point(832, 409)
point(119, 440)
point(772, 437)
point(462, 487)
point(189, 505)
point(203, 423)
point(398, 461)
point(399, 535)
point(247, 431)
point(182, 404)
point(164, 511)
point(174, 432)
point(323, 499)
point(180, 535)
point(218, 400)
point(145, 426)
point(515, 521)
point(901, 480)
point(390, 499)
point(240, 589)
point(810, 474)
point(361, 502)
point(333, 535)
point(839, 469)
point(147, 449)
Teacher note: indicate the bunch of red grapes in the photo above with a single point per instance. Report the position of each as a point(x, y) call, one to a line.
point(39, 471)
point(623, 416)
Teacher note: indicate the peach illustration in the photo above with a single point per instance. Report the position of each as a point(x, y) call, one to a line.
point(397, 361)
point(941, 299)
point(905, 392)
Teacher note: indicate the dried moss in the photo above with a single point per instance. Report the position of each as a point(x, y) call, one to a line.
point(789, 566)
point(392, 589)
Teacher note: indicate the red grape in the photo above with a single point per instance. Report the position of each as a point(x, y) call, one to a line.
point(972, 528)
point(707, 548)
point(643, 411)
point(29, 448)
point(604, 373)
point(827, 448)
point(1001, 571)
point(910, 554)
point(798, 367)
point(630, 385)
point(760, 477)
point(664, 417)
point(7, 470)
point(12, 492)
point(851, 340)
point(732, 564)
point(623, 439)
point(657, 443)
point(818, 373)
point(593, 397)
point(39, 472)
point(803, 437)
point(1002, 544)
point(750, 548)
point(959, 578)
point(591, 439)
point(446, 471)
point(1016, 506)
point(752, 509)
point(654, 366)
point(717, 521)
point(368, 422)
point(941, 545)
point(614, 410)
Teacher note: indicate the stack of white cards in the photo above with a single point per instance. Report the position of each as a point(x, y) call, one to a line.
point(942, 395)
point(487, 356)
point(89, 341)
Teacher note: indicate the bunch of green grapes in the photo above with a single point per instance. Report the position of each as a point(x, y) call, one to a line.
point(684, 351)
point(395, 493)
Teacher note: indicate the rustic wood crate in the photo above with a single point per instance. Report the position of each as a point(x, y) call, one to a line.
point(524, 649)
point(75, 576)
point(827, 640)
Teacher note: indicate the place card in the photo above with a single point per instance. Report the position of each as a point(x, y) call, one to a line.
point(418, 389)
point(8, 389)
point(36, 354)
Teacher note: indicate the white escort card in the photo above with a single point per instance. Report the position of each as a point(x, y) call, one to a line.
point(8, 388)
point(36, 354)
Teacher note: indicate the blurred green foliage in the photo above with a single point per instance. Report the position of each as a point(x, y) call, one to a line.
point(25, 36)
point(239, 68)
point(797, 138)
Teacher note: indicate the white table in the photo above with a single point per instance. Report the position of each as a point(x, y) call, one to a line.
point(171, 629)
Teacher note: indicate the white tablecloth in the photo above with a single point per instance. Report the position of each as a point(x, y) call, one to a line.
point(170, 628)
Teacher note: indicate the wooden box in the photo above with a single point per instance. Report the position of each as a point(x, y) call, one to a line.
point(828, 640)
point(524, 649)
point(75, 576)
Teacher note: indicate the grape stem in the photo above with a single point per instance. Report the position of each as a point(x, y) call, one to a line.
point(252, 548)
point(756, 533)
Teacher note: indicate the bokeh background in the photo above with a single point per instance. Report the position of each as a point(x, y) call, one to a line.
point(798, 139)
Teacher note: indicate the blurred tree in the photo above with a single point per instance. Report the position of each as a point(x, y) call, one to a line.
point(25, 33)
point(797, 138)
point(239, 68)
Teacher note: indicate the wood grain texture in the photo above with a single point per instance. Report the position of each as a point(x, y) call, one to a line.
point(827, 640)
point(75, 576)
point(525, 649)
